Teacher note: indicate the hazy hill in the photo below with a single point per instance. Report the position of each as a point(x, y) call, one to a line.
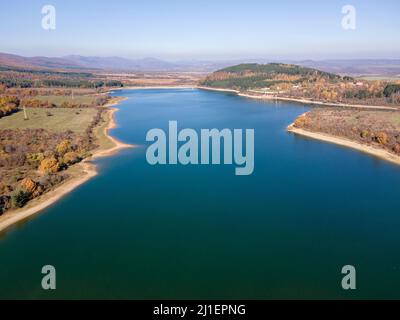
point(117, 63)
point(12, 60)
point(109, 63)
point(369, 67)
point(92, 63)
point(363, 67)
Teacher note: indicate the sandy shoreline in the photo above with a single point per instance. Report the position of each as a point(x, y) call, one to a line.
point(380, 153)
point(302, 101)
point(87, 171)
point(218, 89)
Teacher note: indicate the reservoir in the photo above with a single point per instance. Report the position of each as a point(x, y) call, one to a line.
point(138, 231)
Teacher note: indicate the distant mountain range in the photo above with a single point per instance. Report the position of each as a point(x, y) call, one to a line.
point(91, 63)
point(108, 64)
point(365, 67)
point(372, 67)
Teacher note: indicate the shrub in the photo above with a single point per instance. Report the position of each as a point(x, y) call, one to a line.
point(50, 180)
point(4, 204)
point(382, 138)
point(28, 185)
point(19, 198)
point(8, 105)
point(32, 103)
point(364, 134)
point(63, 147)
point(2, 187)
point(391, 89)
point(49, 165)
point(301, 122)
point(71, 158)
point(35, 157)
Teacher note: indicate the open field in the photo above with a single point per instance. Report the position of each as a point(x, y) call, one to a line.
point(58, 100)
point(55, 119)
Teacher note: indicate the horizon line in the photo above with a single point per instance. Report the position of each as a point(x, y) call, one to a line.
point(155, 57)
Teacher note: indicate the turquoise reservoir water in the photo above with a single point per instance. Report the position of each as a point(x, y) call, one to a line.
point(138, 232)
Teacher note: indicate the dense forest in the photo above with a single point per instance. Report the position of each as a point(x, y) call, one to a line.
point(252, 76)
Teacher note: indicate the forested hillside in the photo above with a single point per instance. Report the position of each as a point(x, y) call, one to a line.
point(293, 81)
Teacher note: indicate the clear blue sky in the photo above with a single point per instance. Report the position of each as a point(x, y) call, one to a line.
point(203, 29)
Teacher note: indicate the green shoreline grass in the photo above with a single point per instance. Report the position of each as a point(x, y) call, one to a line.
point(53, 119)
point(58, 100)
